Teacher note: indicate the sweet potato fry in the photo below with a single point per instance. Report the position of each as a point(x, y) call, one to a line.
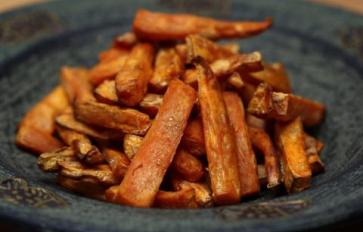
point(150, 163)
point(67, 120)
point(187, 166)
point(184, 198)
point(36, 128)
point(262, 142)
point(151, 103)
point(84, 186)
point(113, 117)
point(312, 153)
point(126, 40)
point(106, 92)
point(248, 177)
point(290, 139)
point(285, 107)
point(132, 80)
point(132, 144)
point(117, 161)
point(160, 26)
point(193, 138)
point(219, 138)
point(49, 161)
point(108, 70)
point(168, 66)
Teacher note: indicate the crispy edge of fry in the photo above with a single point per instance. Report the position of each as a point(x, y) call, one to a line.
point(203, 194)
point(188, 166)
point(85, 186)
point(102, 115)
point(160, 26)
point(68, 136)
point(290, 139)
point(193, 138)
point(249, 183)
point(49, 161)
point(156, 153)
point(88, 153)
point(133, 78)
point(311, 150)
point(168, 66)
point(117, 161)
point(131, 144)
point(219, 138)
point(151, 103)
point(262, 141)
point(106, 92)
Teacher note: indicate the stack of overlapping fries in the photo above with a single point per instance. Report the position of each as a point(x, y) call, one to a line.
point(169, 118)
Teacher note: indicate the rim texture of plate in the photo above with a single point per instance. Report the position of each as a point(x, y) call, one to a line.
point(321, 47)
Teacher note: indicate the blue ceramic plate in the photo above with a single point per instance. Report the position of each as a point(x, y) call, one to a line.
point(323, 52)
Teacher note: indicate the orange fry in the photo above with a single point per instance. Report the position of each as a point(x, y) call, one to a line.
point(187, 166)
point(219, 139)
point(168, 66)
point(161, 26)
point(246, 157)
point(193, 138)
point(148, 167)
point(132, 80)
point(290, 139)
point(262, 141)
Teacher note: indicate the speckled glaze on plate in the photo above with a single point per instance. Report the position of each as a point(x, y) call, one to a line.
point(321, 47)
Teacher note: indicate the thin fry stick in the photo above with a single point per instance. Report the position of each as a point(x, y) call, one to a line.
point(149, 165)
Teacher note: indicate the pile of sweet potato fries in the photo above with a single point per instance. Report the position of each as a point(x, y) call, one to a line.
point(169, 118)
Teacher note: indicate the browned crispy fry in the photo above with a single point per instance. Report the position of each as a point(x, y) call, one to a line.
point(67, 120)
point(150, 163)
point(183, 198)
point(84, 186)
point(75, 170)
point(112, 117)
point(203, 194)
point(132, 80)
point(285, 107)
point(193, 138)
point(36, 128)
point(108, 70)
point(168, 66)
point(87, 152)
point(235, 82)
point(151, 103)
point(219, 139)
point(246, 157)
point(262, 141)
point(68, 136)
point(126, 40)
point(290, 139)
point(110, 55)
point(253, 121)
point(106, 92)
point(117, 160)
point(311, 145)
point(49, 161)
point(160, 26)
point(187, 166)
point(132, 144)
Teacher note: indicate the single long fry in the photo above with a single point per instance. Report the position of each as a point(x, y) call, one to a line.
point(311, 150)
point(132, 144)
point(168, 66)
point(132, 80)
point(290, 139)
point(36, 128)
point(118, 161)
point(219, 139)
point(248, 177)
point(161, 26)
point(187, 166)
point(106, 92)
point(85, 186)
point(193, 138)
point(147, 169)
point(261, 140)
point(285, 107)
point(151, 103)
point(113, 117)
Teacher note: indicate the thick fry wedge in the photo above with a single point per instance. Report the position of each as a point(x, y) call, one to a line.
point(246, 157)
point(285, 107)
point(36, 128)
point(132, 144)
point(262, 141)
point(117, 161)
point(193, 138)
point(113, 117)
point(151, 103)
point(290, 139)
point(88, 187)
point(311, 150)
point(156, 153)
point(106, 92)
point(219, 138)
point(126, 40)
point(168, 66)
point(160, 26)
point(187, 166)
point(132, 80)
